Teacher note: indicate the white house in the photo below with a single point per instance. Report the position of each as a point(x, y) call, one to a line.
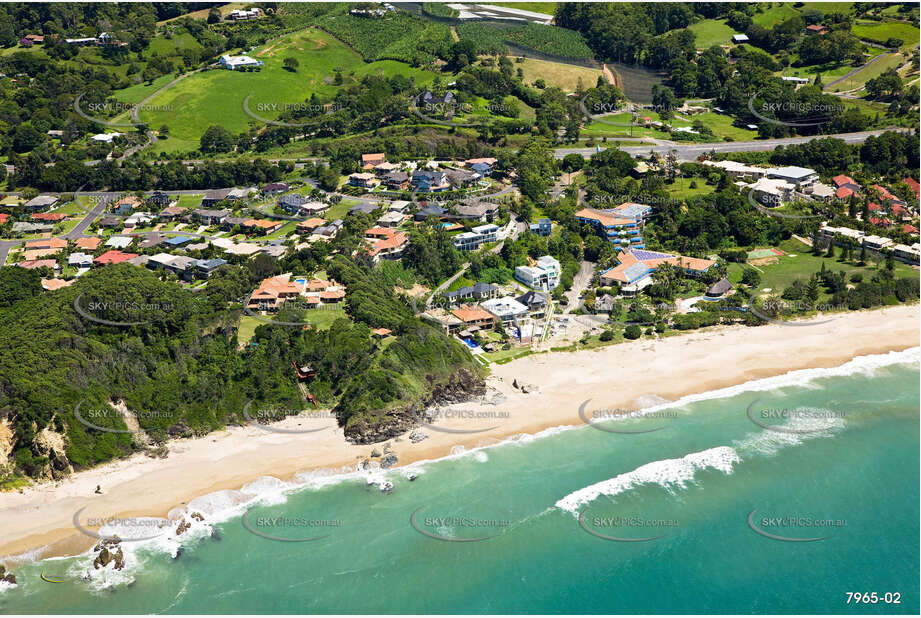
point(470, 241)
point(544, 276)
point(240, 63)
point(799, 176)
point(773, 191)
point(505, 309)
point(105, 137)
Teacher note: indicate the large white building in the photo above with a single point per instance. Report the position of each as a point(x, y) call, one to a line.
point(472, 240)
point(544, 276)
point(236, 63)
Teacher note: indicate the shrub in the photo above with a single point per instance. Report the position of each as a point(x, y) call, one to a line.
point(632, 332)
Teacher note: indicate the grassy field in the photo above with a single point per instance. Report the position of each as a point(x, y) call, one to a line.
point(778, 12)
point(861, 77)
point(216, 96)
point(879, 32)
point(799, 263)
point(547, 8)
point(681, 189)
point(564, 76)
point(190, 201)
point(338, 211)
point(710, 32)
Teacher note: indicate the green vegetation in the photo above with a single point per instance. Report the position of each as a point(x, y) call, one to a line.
point(709, 32)
point(216, 96)
point(884, 31)
point(549, 40)
point(396, 36)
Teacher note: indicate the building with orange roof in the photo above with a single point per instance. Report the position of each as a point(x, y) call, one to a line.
point(273, 292)
point(4, 217)
point(305, 227)
point(46, 243)
point(113, 257)
point(31, 264)
point(90, 243)
point(368, 161)
point(35, 254)
point(386, 244)
point(472, 315)
point(635, 267)
point(52, 217)
point(262, 225)
point(913, 185)
point(125, 205)
point(622, 225)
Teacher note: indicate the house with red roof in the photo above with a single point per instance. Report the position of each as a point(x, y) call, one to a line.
point(910, 230)
point(887, 196)
point(51, 217)
point(386, 243)
point(32, 264)
point(845, 187)
point(635, 267)
point(113, 257)
point(913, 185)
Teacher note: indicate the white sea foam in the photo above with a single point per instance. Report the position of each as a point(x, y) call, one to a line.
point(668, 473)
point(223, 505)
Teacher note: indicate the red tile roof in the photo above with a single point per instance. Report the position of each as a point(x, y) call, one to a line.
point(46, 243)
point(842, 179)
point(913, 185)
point(843, 193)
point(38, 264)
point(909, 229)
point(49, 216)
point(113, 257)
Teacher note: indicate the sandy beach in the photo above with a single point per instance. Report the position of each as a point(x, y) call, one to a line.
point(628, 376)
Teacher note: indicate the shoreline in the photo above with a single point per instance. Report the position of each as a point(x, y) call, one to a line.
point(37, 520)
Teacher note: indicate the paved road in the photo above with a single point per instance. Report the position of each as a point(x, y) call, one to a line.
point(579, 284)
point(850, 73)
point(690, 152)
point(102, 200)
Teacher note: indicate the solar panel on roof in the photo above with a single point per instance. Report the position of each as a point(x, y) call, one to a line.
point(642, 254)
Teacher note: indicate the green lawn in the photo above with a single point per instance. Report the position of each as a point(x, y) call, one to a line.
point(322, 319)
point(681, 188)
point(338, 211)
point(216, 96)
point(710, 32)
point(788, 269)
point(138, 92)
point(547, 8)
point(459, 283)
point(247, 328)
point(879, 32)
point(861, 77)
point(779, 12)
point(190, 201)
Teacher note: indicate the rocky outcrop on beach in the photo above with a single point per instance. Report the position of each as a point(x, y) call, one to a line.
point(182, 527)
point(388, 461)
point(6, 576)
point(109, 551)
point(463, 385)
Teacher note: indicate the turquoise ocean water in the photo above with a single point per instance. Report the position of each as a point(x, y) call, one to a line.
point(841, 466)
